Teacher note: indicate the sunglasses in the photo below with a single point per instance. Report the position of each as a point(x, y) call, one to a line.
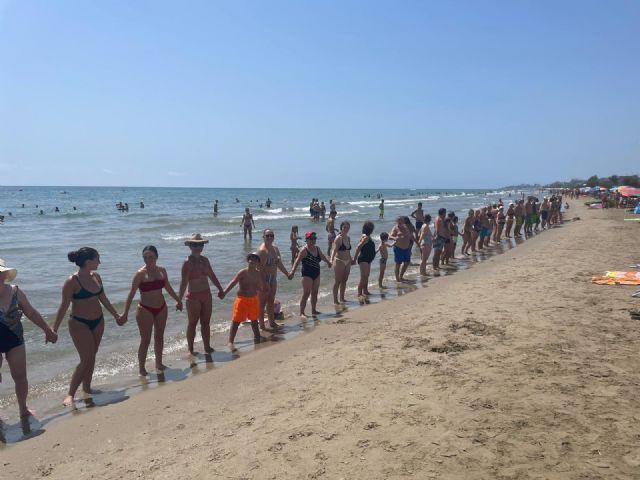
point(312, 238)
point(197, 245)
point(269, 235)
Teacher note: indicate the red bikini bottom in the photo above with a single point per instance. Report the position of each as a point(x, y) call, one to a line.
point(154, 310)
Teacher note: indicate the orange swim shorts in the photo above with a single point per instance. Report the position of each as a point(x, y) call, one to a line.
point(246, 308)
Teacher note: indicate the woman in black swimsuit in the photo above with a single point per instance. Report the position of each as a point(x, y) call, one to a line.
point(310, 257)
point(84, 291)
point(13, 303)
point(365, 253)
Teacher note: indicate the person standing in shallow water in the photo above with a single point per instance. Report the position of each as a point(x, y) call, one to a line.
point(341, 260)
point(84, 291)
point(364, 255)
point(270, 263)
point(402, 238)
point(152, 312)
point(196, 273)
point(14, 303)
point(247, 223)
point(310, 256)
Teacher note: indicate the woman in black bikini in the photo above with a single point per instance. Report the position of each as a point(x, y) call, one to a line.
point(84, 291)
point(365, 253)
point(13, 303)
point(151, 314)
point(341, 261)
point(310, 257)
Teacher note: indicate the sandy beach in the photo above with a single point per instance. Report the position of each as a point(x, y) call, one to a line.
point(535, 376)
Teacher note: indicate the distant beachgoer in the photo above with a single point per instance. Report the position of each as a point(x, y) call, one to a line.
point(323, 211)
point(467, 229)
point(544, 213)
point(270, 263)
point(247, 304)
point(84, 290)
point(141, 204)
point(310, 256)
point(455, 233)
point(13, 304)
point(41, 212)
point(519, 217)
point(215, 208)
point(485, 228)
point(381, 210)
point(364, 255)
point(511, 213)
point(402, 238)
point(196, 273)
point(418, 214)
point(332, 206)
point(440, 238)
point(268, 202)
point(383, 250)
point(500, 224)
point(293, 237)
point(330, 227)
point(57, 210)
point(425, 242)
point(246, 223)
point(152, 312)
point(341, 261)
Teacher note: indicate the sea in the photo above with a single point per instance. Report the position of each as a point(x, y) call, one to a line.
point(35, 239)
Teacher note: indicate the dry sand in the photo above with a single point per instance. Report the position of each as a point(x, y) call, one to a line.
point(517, 368)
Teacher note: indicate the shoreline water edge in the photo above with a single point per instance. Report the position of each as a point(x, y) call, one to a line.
point(117, 372)
point(485, 347)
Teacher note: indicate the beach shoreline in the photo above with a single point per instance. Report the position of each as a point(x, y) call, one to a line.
point(521, 382)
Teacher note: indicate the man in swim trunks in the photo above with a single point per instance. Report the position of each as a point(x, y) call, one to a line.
point(247, 222)
point(247, 304)
point(401, 248)
point(441, 235)
point(381, 210)
point(418, 214)
point(270, 263)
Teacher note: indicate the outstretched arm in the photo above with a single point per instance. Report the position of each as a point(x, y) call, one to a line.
point(67, 293)
point(170, 289)
point(33, 315)
point(232, 283)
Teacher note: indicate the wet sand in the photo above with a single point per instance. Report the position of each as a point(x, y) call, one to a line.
point(516, 368)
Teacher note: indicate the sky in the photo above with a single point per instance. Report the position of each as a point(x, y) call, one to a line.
point(334, 94)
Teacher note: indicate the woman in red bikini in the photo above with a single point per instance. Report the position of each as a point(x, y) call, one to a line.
point(152, 312)
point(196, 273)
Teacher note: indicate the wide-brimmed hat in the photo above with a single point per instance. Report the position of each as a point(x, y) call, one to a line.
point(12, 272)
point(196, 238)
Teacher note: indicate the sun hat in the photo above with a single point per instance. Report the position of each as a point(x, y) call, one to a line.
point(196, 238)
point(12, 272)
point(309, 234)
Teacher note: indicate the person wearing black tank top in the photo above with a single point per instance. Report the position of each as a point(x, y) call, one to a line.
point(310, 257)
point(85, 293)
point(365, 253)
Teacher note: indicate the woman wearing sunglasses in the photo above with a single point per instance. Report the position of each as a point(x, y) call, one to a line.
point(310, 257)
point(196, 273)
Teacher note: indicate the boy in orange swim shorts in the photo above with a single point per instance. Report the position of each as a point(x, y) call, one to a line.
point(247, 304)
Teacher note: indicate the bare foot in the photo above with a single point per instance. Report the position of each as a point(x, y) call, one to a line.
point(367, 292)
point(68, 401)
point(315, 312)
point(143, 372)
point(303, 315)
point(208, 349)
point(28, 413)
point(342, 300)
point(161, 367)
point(232, 347)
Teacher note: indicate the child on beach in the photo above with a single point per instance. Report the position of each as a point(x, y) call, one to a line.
point(294, 243)
point(247, 304)
point(383, 250)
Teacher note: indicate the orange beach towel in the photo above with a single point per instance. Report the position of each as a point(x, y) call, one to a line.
point(618, 278)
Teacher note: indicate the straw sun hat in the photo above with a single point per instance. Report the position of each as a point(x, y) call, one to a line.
point(195, 238)
point(12, 272)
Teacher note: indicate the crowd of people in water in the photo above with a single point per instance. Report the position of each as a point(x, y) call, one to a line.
point(434, 238)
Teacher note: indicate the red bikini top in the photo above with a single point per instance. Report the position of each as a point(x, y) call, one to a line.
point(152, 285)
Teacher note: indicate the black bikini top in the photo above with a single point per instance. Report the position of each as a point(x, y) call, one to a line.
point(84, 293)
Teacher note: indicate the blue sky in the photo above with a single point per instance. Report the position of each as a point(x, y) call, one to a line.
point(420, 94)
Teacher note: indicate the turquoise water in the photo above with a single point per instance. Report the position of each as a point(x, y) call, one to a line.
point(37, 246)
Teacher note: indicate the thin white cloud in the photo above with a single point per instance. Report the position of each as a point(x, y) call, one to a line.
point(107, 171)
point(177, 174)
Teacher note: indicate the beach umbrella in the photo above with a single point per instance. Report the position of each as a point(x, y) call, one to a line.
point(614, 189)
point(629, 191)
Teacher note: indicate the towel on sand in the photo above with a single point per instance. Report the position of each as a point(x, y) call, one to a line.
point(618, 278)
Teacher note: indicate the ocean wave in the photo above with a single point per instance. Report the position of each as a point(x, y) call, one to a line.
point(395, 202)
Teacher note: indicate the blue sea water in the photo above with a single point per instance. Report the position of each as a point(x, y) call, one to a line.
point(37, 245)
